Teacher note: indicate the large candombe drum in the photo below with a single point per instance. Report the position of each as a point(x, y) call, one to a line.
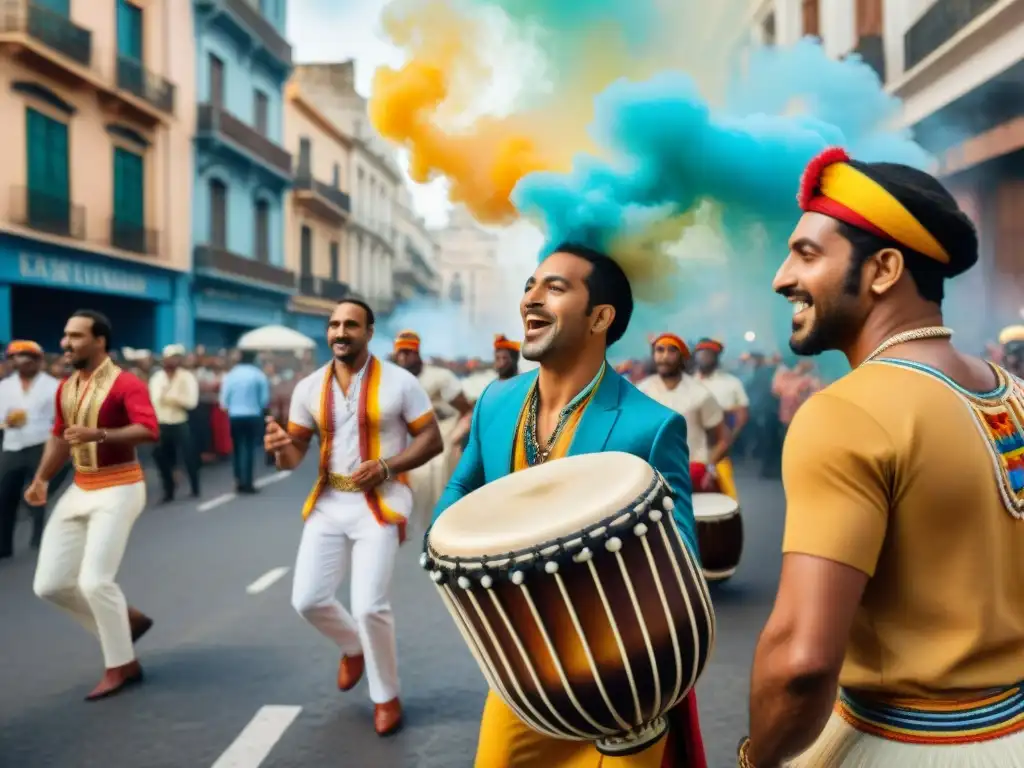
point(573, 589)
point(719, 534)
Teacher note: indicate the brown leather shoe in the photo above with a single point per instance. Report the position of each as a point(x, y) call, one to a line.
point(387, 717)
point(350, 672)
point(139, 623)
point(115, 680)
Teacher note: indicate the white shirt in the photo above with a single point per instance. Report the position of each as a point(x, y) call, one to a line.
point(727, 389)
point(181, 392)
point(442, 386)
point(695, 403)
point(402, 404)
point(39, 404)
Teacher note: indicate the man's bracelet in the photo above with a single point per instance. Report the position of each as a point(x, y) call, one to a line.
point(386, 468)
point(743, 756)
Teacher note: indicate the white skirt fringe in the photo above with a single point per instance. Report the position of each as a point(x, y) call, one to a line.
point(843, 746)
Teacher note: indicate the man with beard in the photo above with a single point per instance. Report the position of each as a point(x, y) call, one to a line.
point(731, 396)
point(450, 405)
point(102, 414)
point(506, 357)
point(576, 304)
point(902, 567)
point(374, 423)
point(26, 416)
point(706, 432)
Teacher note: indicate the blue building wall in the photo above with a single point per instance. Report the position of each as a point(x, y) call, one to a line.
point(226, 307)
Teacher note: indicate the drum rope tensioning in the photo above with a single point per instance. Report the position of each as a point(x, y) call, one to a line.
point(583, 607)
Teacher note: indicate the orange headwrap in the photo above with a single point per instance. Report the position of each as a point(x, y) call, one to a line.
point(407, 340)
point(502, 342)
point(20, 347)
point(835, 188)
point(672, 340)
point(711, 345)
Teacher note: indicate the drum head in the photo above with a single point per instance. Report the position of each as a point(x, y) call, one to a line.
point(539, 504)
point(713, 506)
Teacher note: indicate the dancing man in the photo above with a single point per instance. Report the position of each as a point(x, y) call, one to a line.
point(374, 423)
point(706, 432)
point(901, 574)
point(102, 414)
point(731, 397)
point(450, 404)
point(577, 303)
point(26, 417)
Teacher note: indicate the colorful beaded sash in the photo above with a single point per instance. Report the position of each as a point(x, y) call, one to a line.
point(936, 723)
point(999, 415)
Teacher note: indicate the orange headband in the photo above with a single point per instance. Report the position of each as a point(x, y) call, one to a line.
point(833, 187)
point(501, 342)
point(672, 340)
point(711, 345)
point(409, 340)
point(20, 347)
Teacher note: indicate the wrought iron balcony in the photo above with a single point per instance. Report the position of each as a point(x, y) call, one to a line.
point(326, 198)
point(218, 259)
point(937, 25)
point(133, 77)
point(54, 30)
point(215, 122)
point(133, 237)
point(323, 287)
point(245, 15)
point(47, 213)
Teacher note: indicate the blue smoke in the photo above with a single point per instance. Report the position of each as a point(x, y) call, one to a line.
point(666, 150)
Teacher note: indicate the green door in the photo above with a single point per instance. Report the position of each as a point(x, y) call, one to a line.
point(48, 194)
point(128, 228)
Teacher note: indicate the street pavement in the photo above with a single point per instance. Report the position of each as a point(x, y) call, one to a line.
point(235, 679)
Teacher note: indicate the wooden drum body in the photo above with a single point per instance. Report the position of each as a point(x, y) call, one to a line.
point(719, 534)
point(575, 592)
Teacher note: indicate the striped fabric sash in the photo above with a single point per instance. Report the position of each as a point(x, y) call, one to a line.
point(936, 723)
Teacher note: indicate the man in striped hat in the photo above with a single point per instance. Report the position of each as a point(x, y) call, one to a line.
point(731, 396)
point(903, 547)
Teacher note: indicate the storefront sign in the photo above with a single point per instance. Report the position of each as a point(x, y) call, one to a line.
point(52, 270)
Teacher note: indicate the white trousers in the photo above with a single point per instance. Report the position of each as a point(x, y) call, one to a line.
point(341, 534)
point(429, 481)
point(81, 552)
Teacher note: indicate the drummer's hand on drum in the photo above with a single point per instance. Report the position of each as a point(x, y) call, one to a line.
point(369, 475)
point(275, 438)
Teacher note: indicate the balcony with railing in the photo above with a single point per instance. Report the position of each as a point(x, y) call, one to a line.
point(155, 90)
point(216, 123)
point(52, 29)
point(323, 288)
point(323, 199)
point(47, 213)
point(214, 258)
point(938, 25)
point(247, 19)
point(130, 236)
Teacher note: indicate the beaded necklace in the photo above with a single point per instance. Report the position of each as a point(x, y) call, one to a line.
point(535, 452)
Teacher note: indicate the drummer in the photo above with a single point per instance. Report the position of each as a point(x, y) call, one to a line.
point(731, 396)
point(576, 304)
point(449, 403)
point(903, 548)
point(706, 432)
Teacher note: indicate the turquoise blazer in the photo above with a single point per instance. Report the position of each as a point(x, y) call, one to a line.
point(619, 418)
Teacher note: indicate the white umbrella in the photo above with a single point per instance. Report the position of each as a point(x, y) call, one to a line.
point(274, 338)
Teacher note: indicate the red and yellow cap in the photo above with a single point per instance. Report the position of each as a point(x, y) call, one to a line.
point(672, 340)
point(409, 340)
point(503, 342)
point(23, 347)
point(712, 345)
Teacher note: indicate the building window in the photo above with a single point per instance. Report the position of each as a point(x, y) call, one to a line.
point(263, 231)
point(455, 290)
point(812, 23)
point(216, 81)
point(48, 204)
point(218, 213)
point(305, 155)
point(128, 227)
point(335, 265)
point(63, 7)
point(129, 30)
point(768, 29)
point(261, 110)
point(336, 176)
point(306, 251)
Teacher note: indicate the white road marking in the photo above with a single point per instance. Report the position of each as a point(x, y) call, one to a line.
point(256, 740)
point(267, 580)
point(224, 498)
point(262, 482)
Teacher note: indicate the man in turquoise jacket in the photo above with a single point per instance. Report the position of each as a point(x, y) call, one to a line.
point(576, 304)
